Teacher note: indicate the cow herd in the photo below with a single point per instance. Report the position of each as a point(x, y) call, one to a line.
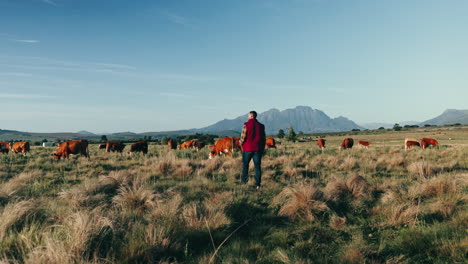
point(66, 148)
point(425, 142)
point(409, 142)
point(224, 146)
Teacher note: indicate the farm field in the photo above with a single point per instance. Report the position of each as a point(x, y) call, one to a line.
point(377, 205)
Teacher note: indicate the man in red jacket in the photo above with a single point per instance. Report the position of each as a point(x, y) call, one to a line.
point(253, 143)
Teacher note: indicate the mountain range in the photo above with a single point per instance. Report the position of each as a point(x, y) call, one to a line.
point(301, 118)
point(448, 117)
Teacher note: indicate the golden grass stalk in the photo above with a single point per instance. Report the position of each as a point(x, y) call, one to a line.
point(17, 183)
point(303, 201)
point(14, 213)
point(135, 198)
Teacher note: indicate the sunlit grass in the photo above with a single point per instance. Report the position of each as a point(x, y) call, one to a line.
point(376, 205)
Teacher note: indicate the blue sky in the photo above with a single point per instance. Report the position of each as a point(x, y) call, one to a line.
point(114, 65)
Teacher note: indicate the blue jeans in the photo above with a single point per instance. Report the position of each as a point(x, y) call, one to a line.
point(257, 159)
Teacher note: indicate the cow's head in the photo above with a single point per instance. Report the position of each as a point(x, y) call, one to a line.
point(212, 154)
point(56, 156)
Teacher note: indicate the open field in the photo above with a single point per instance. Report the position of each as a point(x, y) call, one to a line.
point(376, 205)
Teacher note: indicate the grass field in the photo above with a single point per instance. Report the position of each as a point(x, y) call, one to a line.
point(376, 205)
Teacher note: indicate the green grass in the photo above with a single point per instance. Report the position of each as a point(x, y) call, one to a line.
point(376, 205)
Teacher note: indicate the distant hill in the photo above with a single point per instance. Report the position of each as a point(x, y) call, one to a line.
point(376, 125)
point(449, 117)
point(84, 132)
point(301, 118)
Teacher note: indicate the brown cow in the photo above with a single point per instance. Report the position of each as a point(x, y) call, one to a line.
point(114, 146)
point(426, 142)
point(140, 146)
point(22, 147)
point(172, 144)
point(321, 143)
point(365, 144)
point(224, 146)
point(270, 143)
point(72, 147)
point(198, 145)
point(409, 142)
point(187, 144)
point(347, 143)
point(4, 147)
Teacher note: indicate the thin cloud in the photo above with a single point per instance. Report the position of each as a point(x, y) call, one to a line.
point(49, 2)
point(17, 74)
point(32, 41)
point(40, 63)
point(118, 66)
point(24, 96)
point(177, 95)
point(175, 18)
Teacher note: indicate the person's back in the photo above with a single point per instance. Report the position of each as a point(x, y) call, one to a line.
point(255, 136)
point(253, 143)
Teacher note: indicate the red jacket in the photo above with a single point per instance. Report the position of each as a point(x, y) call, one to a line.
point(254, 136)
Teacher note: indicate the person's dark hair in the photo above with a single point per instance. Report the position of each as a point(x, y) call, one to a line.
point(254, 114)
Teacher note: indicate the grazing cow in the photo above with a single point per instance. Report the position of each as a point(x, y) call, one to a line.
point(426, 142)
point(102, 146)
point(22, 147)
point(187, 144)
point(270, 143)
point(114, 146)
point(172, 144)
point(410, 142)
point(347, 143)
point(224, 146)
point(321, 143)
point(4, 147)
point(198, 145)
point(140, 146)
point(72, 147)
point(365, 144)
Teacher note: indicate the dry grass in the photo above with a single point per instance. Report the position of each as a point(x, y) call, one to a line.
point(135, 199)
point(337, 222)
point(84, 228)
point(300, 201)
point(349, 163)
point(421, 168)
point(15, 214)
point(338, 188)
point(19, 182)
point(210, 213)
point(376, 205)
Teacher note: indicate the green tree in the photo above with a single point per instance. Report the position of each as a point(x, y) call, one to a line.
point(281, 133)
point(291, 134)
point(103, 138)
point(164, 140)
point(397, 127)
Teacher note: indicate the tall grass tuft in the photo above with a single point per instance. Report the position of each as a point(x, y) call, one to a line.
point(17, 214)
point(302, 201)
point(134, 199)
point(90, 234)
point(421, 168)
